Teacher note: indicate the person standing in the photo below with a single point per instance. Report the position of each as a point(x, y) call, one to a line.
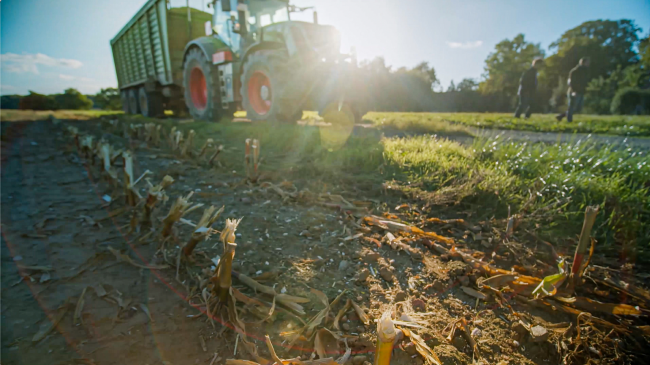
point(527, 88)
point(578, 80)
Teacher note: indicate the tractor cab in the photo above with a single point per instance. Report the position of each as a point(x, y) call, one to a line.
point(238, 23)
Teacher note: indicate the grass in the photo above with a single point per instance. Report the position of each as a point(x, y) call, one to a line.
point(622, 125)
point(12, 115)
point(484, 177)
point(492, 174)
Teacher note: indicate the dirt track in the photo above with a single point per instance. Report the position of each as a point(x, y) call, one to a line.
point(47, 191)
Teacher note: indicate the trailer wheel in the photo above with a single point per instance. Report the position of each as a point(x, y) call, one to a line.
point(201, 83)
point(263, 85)
point(134, 107)
point(150, 103)
point(124, 95)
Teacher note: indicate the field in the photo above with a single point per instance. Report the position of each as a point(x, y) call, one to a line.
point(318, 217)
point(620, 125)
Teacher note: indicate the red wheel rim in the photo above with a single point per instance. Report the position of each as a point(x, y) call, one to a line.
point(259, 92)
point(198, 88)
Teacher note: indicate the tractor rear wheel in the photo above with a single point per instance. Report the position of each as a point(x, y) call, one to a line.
point(124, 95)
point(263, 86)
point(201, 83)
point(134, 107)
point(151, 104)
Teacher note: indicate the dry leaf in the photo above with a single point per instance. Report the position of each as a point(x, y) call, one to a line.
point(76, 319)
point(362, 315)
point(49, 324)
point(473, 293)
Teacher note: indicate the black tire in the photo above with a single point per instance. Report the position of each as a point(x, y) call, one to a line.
point(267, 69)
point(124, 95)
point(134, 107)
point(151, 104)
point(201, 84)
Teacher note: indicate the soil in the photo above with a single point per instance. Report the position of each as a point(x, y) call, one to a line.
point(54, 214)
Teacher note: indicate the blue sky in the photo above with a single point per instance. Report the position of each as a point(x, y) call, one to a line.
point(49, 45)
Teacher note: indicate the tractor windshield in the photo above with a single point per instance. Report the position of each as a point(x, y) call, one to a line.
point(263, 13)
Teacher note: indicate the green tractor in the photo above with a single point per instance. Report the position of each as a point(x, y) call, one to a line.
point(247, 55)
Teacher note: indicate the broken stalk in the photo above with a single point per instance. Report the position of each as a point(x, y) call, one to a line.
point(208, 143)
point(132, 196)
point(222, 279)
point(385, 336)
point(215, 154)
point(203, 229)
point(186, 151)
point(180, 207)
point(154, 195)
point(583, 243)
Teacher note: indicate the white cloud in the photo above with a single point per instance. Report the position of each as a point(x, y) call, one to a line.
point(70, 77)
point(465, 45)
point(16, 63)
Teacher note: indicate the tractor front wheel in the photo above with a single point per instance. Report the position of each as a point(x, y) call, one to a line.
point(201, 83)
point(263, 87)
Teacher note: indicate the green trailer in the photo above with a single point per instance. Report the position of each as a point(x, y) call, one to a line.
point(213, 57)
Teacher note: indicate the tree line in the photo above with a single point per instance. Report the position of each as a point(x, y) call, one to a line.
point(619, 72)
point(70, 99)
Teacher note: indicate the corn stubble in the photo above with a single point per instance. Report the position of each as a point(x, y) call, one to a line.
point(222, 279)
point(180, 207)
point(203, 229)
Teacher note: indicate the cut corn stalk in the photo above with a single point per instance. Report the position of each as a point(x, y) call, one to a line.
point(583, 244)
point(132, 195)
point(87, 146)
point(172, 133)
point(186, 150)
point(385, 336)
point(180, 207)
point(288, 301)
point(208, 143)
point(203, 229)
point(251, 159)
point(422, 347)
point(222, 280)
point(155, 194)
point(178, 140)
point(75, 136)
point(215, 154)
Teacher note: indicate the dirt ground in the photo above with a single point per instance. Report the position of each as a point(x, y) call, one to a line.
point(57, 228)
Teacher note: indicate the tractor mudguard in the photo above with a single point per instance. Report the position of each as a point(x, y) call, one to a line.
point(211, 47)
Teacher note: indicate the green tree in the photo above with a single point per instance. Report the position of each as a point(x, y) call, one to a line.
point(10, 101)
point(609, 44)
point(36, 101)
point(108, 99)
point(72, 99)
point(504, 66)
point(467, 85)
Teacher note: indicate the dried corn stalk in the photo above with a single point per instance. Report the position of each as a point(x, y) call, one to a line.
point(186, 150)
point(180, 207)
point(222, 280)
point(251, 158)
point(87, 146)
point(132, 195)
point(208, 143)
point(75, 135)
point(105, 153)
point(172, 134)
point(585, 238)
point(203, 229)
point(154, 195)
point(385, 336)
point(215, 154)
point(177, 140)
